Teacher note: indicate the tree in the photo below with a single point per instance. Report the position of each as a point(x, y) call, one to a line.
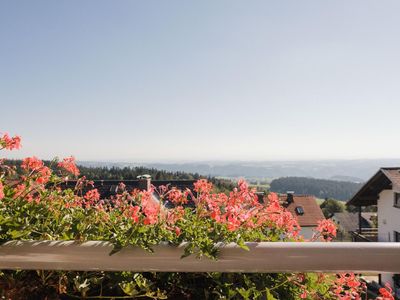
point(331, 206)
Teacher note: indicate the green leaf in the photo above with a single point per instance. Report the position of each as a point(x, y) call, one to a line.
point(16, 234)
point(242, 245)
point(244, 293)
point(268, 295)
point(129, 288)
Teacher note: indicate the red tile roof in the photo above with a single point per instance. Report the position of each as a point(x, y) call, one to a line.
point(312, 211)
point(393, 174)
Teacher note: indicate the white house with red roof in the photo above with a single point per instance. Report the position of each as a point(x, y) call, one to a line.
point(382, 190)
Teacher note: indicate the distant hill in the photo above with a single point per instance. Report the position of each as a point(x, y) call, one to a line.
point(347, 178)
point(345, 170)
point(321, 188)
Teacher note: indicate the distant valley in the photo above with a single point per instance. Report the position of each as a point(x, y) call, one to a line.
point(341, 170)
point(339, 179)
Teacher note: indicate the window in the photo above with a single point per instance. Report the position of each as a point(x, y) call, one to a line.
point(396, 200)
point(299, 210)
point(397, 236)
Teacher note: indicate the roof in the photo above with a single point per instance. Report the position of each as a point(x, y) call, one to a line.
point(312, 211)
point(349, 221)
point(109, 188)
point(385, 178)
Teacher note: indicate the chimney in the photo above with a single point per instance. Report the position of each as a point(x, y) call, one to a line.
point(144, 182)
point(289, 197)
point(260, 197)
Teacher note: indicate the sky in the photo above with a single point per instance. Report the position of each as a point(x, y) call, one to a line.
point(201, 80)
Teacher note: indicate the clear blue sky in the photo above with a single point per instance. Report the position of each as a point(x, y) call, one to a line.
point(199, 80)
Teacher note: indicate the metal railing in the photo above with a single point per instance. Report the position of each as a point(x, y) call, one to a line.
point(262, 257)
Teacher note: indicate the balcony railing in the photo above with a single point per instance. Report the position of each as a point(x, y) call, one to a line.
point(365, 235)
point(261, 258)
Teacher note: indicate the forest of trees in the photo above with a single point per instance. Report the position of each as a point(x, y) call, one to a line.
point(321, 188)
point(128, 173)
point(131, 173)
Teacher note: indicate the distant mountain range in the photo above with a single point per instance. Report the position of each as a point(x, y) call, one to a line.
point(341, 170)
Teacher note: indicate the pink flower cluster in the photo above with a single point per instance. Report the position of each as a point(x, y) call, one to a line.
point(150, 207)
point(386, 293)
point(32, 163)
point(241, 208)
point(348, 287)
point(276, 215)
point(91, 197)
point(326, 229)
point(10, 143)
point(36, 175)
point(143, 207)
point(69, 165)
point(36, 169)
point(1, 190)
point(202, 186)
point(177, 197)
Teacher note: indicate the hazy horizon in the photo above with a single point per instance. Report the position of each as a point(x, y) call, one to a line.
point(16, 155)
point(200, 81)
point(241, 161)
point(344, 170)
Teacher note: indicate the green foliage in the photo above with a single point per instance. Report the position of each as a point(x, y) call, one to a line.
point(53, 219)
point(331, 206)
point(131, 173)
point(32, 207)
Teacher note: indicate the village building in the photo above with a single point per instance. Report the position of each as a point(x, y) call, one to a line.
point(306, 210)
point(382, 190)
point(348, 225)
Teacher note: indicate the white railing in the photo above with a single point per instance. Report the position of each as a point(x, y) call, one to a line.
point(262, 257)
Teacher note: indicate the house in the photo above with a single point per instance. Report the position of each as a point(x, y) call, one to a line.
point(306, 210)
point(383, 190)
point(348, 224)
